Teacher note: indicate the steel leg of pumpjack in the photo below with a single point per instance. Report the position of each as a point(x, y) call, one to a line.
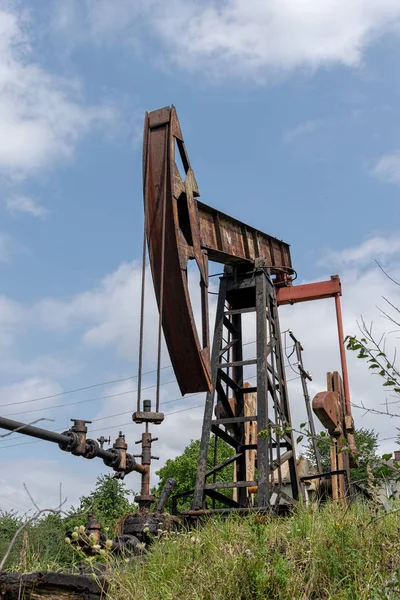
point(248, 293)
point(198, 497)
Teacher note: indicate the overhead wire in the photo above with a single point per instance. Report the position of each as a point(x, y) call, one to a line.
point(127, 412)
point(149, 387)
point(91, 386)
point(87, 401)
point(112, 396)
point(81, 389)
point(290, 355)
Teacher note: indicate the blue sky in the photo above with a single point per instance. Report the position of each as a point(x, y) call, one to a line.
point(290, 113)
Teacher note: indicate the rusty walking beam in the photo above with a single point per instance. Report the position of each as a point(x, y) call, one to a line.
point(229, 241)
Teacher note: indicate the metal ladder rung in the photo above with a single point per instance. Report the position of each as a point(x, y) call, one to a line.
point(229, 484)
point(230, 420)
point(239, 311)
point(237, 363)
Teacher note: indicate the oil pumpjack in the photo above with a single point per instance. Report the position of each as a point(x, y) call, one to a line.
point(257, 278)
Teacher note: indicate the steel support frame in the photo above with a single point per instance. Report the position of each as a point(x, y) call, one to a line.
point(248, 291)
point(320, 291)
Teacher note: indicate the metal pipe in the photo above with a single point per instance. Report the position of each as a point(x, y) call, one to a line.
point(62, 439)
point(36, 432)
point(342, 349)
point(104, 454)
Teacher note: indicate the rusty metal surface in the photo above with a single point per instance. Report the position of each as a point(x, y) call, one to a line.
point(193, 231)
point(51, 586)
point(74, 440)
point(229, 241)
point(330, 408)
point(342, 350)
point(309, 291)
point(162, 183)
point(146, 526)
point(326, 407)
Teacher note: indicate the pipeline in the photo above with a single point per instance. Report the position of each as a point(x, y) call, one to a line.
point(74, 440)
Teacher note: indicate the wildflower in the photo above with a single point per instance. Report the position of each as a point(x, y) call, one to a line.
point(194, 540)
point(75, 535)
point(81, 529)
point(146, 529)
point(92, 538)
point(248, 553)
point(76, 528)
point(108, 544)
point(67, 540)
point(141, 546)
point(102, 552)
point(126, 560)
point(96, 547)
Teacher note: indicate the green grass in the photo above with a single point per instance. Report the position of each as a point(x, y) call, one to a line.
point(326, 552)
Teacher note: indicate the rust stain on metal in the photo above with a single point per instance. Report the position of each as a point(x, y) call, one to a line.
point(309, 291)
point(193, 231)
point(190, 360)
point(230, 241)
point(49, 586)
point(326, 407)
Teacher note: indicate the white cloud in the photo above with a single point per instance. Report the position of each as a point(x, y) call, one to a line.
point(259, 35)
point(387, 168)
point(244, 37)
point(23, 392)
point(25, 204)
point(108, 314)
point(303, 129)
point(374, 248)
point(42, 116)
point(43, 477)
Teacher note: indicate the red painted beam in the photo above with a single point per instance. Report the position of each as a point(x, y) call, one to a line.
point(309, 291)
